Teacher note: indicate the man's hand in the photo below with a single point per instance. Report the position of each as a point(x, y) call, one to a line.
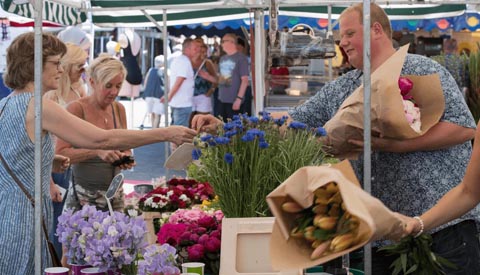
point(379, 144)
point(205, 123)
point(60, 164)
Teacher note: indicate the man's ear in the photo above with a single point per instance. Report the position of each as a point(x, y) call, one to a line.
point(377, 28)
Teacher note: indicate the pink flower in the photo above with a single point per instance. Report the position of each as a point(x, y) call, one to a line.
point(218, 215)
point(212, 245)
point(170, 233)
point(203, 239)
point(195, 252)
point(206, 221)
point(216, 234)
point(405, 86)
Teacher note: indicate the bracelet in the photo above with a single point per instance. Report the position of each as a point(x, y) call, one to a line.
point(239, 97)
point(422, 226)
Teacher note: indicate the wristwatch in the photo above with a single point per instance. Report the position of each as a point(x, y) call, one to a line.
point(239, 97)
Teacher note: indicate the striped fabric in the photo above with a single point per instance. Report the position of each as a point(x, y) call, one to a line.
point(17, 247)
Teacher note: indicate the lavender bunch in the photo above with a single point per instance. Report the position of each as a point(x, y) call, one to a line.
point(158, 259)
point(72, 229)
point(115, 242)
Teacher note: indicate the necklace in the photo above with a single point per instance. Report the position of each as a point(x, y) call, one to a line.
point(75, 92)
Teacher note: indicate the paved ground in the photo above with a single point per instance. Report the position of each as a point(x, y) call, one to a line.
point(149, 158)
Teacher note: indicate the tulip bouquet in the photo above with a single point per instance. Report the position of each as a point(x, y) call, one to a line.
point(248, 157)
point(412, 112)
point(177, 193)
point(326, 225)
point(195, 233)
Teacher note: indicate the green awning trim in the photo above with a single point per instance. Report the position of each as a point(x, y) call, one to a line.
point(102, 19)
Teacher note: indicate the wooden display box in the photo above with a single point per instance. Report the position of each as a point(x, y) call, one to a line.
point(246, 247)
point(149, 217)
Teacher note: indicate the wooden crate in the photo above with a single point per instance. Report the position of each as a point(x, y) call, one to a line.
point(149, 217)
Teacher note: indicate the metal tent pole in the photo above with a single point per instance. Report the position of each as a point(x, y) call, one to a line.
point(367, 161)
point(38, 136)
point(259, 61)
point(166, 82)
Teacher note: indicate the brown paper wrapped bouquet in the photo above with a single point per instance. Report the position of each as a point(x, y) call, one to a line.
point(333, 217)
point(387, 108)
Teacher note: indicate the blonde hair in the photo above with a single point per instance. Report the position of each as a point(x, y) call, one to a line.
point(74, 55)
point(377, 15)
point(104, 68)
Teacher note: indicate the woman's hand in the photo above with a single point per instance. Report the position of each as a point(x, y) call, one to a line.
point(410, 226)
point(60, 164)
point(205, 123)
point(110, 155)
point(55, 193)
point(180, 134)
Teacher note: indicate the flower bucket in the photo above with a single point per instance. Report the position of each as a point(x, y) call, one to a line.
point(92, 271)
point(76, 268)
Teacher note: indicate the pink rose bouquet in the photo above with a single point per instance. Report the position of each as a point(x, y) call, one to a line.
point(196, 234)
point(412, 112)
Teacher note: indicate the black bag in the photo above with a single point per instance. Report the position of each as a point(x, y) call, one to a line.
point(56, 262)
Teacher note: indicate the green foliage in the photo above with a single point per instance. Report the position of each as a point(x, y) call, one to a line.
point(249, 157)
point(416, 257)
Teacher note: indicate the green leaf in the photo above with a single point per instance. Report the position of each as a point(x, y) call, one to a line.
point(323, 235)
point(403, 259)
point(412, 269)
point(415, 256)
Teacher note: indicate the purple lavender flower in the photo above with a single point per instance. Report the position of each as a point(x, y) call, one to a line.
point(158, 260)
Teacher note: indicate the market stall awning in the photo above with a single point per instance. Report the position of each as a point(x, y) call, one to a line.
point(181, 12)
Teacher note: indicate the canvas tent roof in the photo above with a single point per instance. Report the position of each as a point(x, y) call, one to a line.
point(181, 12)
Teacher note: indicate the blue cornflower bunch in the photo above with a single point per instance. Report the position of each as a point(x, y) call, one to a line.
point(248, 157)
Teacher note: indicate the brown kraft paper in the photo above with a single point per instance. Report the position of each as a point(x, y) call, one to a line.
point(376, 220)
point(387, 114)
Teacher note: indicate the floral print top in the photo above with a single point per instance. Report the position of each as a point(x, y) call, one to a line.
point(409, 183)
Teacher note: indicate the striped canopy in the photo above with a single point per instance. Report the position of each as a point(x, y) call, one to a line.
point(180, 12)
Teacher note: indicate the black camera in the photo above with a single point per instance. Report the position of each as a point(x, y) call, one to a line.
point(124, 160)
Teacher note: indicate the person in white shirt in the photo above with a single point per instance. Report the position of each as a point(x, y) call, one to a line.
point(180, 96)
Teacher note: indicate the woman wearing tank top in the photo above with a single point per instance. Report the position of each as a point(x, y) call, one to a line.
point(71, 87)
point(93, 170)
